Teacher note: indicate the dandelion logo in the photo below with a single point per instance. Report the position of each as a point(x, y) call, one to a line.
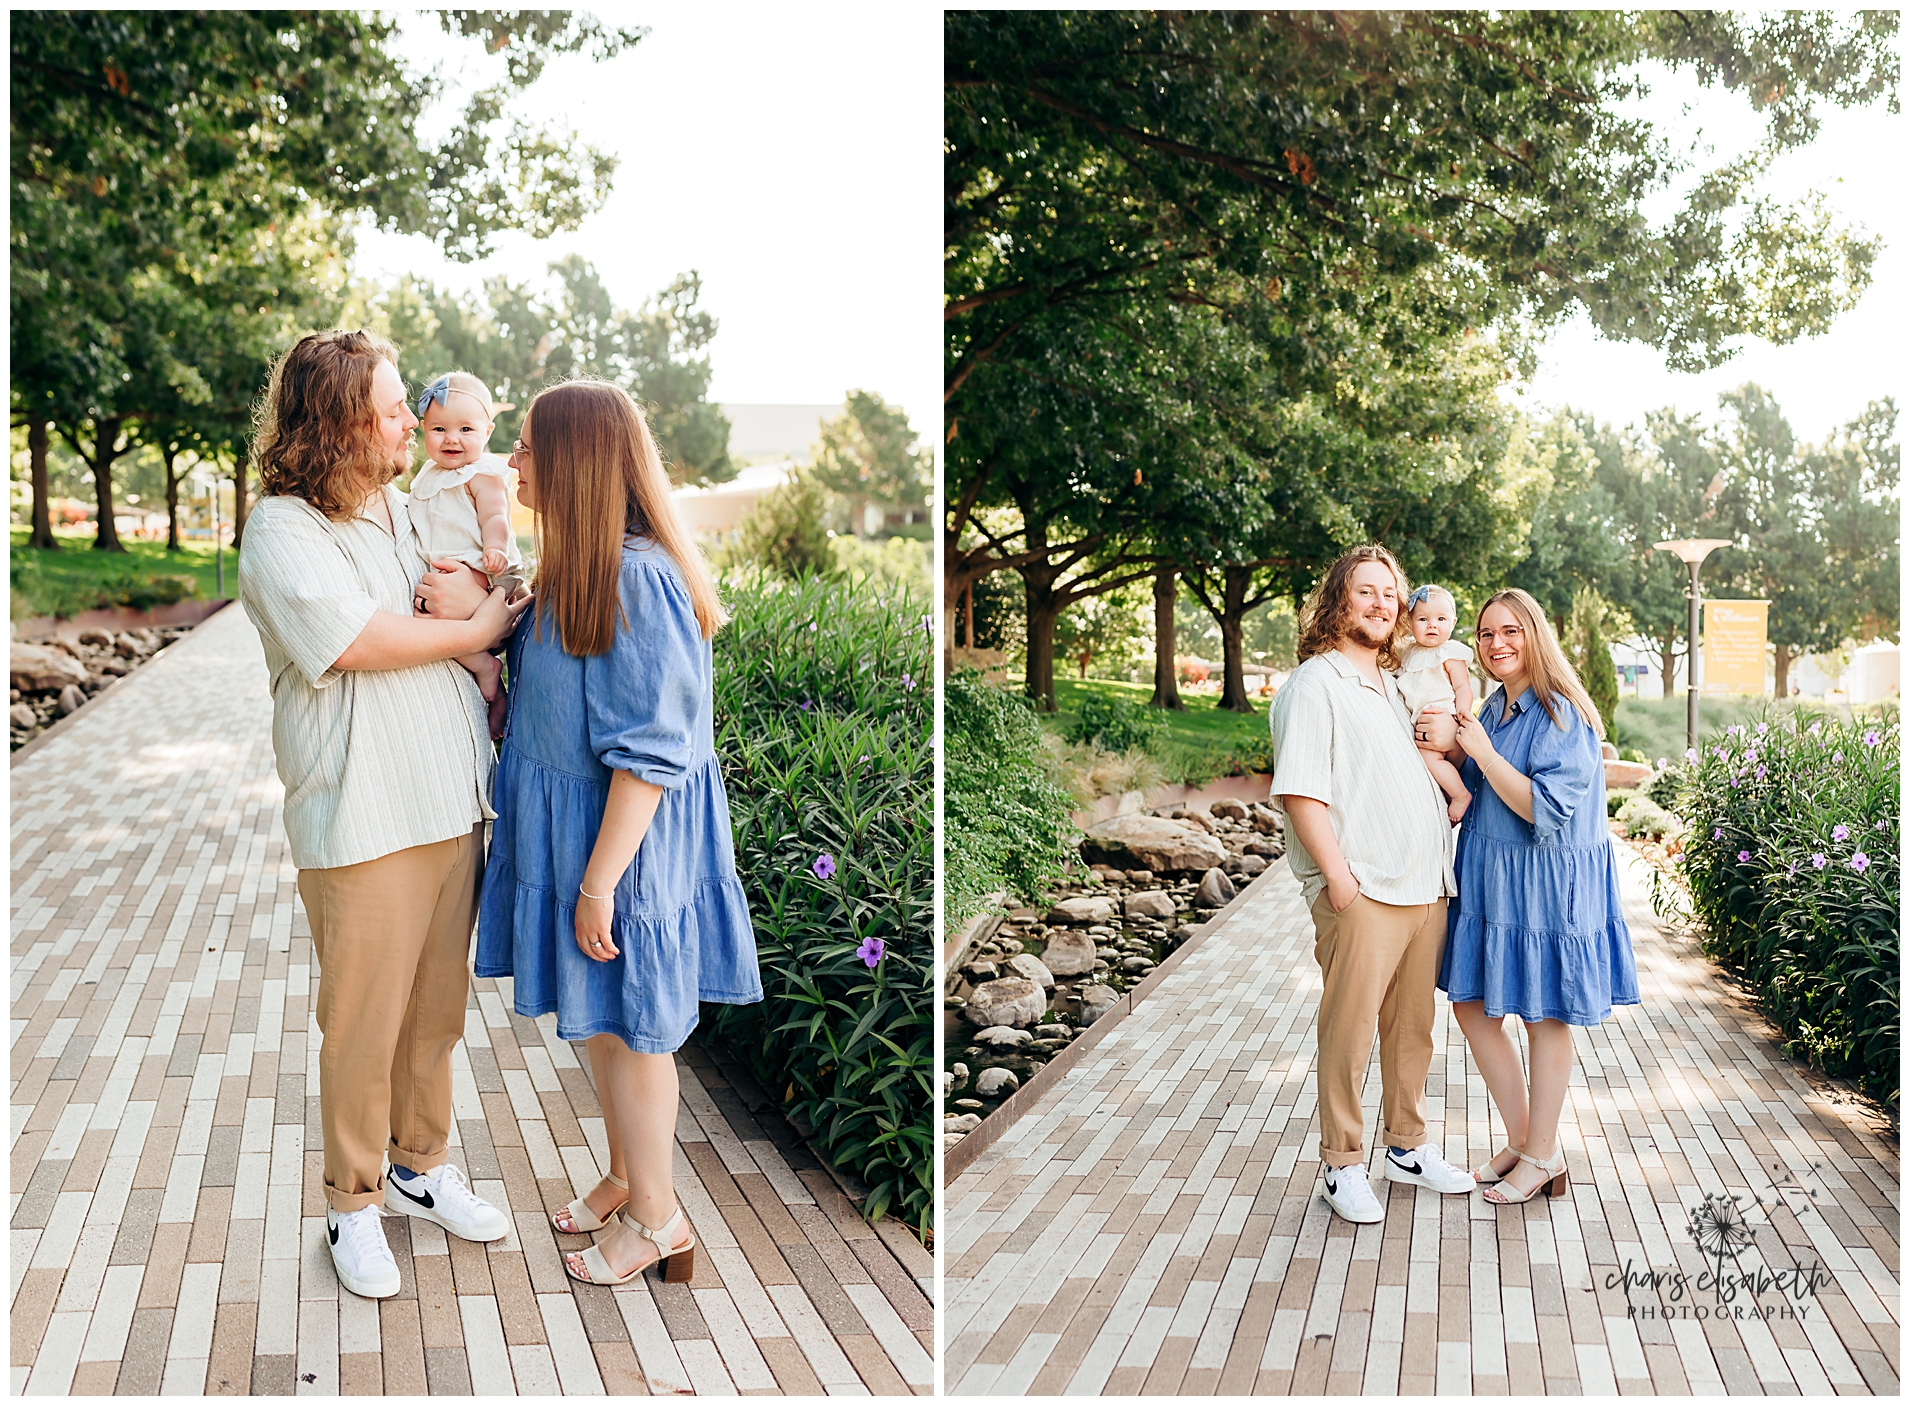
point(1718, 1228)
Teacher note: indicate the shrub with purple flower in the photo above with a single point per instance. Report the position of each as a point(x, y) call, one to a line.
point(1811, 926)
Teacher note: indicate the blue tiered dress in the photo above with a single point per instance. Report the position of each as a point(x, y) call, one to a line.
point(681, 924)
point(1538, 930)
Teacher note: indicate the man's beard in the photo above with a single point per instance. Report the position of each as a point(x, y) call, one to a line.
point(1360, 628)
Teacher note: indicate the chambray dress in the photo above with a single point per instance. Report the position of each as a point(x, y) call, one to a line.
point(1537, 929)
point(681, 925)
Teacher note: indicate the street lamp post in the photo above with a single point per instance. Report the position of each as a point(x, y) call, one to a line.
point(218, 539)
point(1692, 552)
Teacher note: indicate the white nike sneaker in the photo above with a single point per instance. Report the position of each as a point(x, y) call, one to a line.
point(441, 1195)
point(1424, 1166)
point(1351, 1197)
point(359, 1253)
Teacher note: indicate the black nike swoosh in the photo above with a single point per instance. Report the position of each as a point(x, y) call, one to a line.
point(1412, 1167)
point(334, 1231)
point(424, 1200)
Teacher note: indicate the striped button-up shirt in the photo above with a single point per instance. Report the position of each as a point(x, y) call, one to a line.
point(1339, 739)
point(373, 760)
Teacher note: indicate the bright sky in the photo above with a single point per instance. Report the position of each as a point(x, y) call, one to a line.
point(1857, 163)
point(789, 154)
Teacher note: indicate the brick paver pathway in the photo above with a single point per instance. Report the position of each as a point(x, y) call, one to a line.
point(168, 1230)
point(1156, 1224)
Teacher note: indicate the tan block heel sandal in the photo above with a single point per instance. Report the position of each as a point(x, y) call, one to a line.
point(678, 1262)
point(582, 1220)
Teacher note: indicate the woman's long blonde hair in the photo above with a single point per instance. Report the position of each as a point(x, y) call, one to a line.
point(1546, 664)
point(598, 478)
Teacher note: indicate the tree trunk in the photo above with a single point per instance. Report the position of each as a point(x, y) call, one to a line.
point(1166, 684)
point(1085, 658)
point(1045, 605)
point(1236, 580)
point(968, 613)
point(42, 535)
point(1782, 660)
point(1667, 660)
point(241, 504)
point(105, 450)
point(168, 456)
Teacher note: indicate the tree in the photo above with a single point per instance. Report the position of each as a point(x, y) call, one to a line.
point(1585, 637)
point(784, 531)
point(869, 454)
point(1098, 627)
point(1575, 543)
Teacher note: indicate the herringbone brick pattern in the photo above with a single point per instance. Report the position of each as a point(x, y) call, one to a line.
point(1155, 1225)
point(168, 1229)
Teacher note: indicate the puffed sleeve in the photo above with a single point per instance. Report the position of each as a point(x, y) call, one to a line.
point(1301, 721)
point(643, 700)
point(299, 587)
point(1454, 649)
point(1563, 763)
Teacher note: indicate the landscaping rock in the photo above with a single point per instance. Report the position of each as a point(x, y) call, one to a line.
point(1251, 864)
point(1266, 849)
point(1138, 964)
point(1140, 876)
point(997, 1082)
point(37, 669)
point(1000, 1036)
point(1216, 891)
point(1069, 953)
point(1151, 904)
point(1013, 1000)
point(960, 1071)
point(1162, 846)
point(1096, 1000)
point(71, 700)
point(981, 971)
point(1032, 968)
point(1265, 820)
point(102, 639)
point(1082, 910)
point(1198, 818)
point(1229, 807)
point(1053, 1032)
point(1109, 875)
point(961, 1123)
point(22, 716)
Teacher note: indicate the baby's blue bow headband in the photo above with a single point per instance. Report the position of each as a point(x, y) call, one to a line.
point(1412, 601)
point(439, 390)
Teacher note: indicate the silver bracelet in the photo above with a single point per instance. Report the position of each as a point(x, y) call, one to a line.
point(600, 897)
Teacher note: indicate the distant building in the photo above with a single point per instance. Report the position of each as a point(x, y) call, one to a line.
point(715, 510)
point(776, 431)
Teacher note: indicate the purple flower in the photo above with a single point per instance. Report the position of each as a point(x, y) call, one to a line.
point(1818, 861)
point(1717, 832)
point(908, 683)
point(1760, 729)
point(1734, 783)
point(1744, 855)
point(928, 625)
point(1837, 756)
point(1872, 738)
point(1792, 869)
point(812, 627)
point(824, 867)
point(1751, 755)
point(1760, 773)
point(1815, 728)
point(1882, 824)
point(863, 758)
point(1840, 832)
point(1691, 754)
point(871, 951)
point(1662, 764)
point(1860, 861)
point(804, 705)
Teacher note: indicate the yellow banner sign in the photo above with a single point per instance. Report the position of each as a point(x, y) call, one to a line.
point(1735, 632)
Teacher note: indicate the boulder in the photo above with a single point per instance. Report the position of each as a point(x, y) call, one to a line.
point(1054, 1032)
point(1003, 1037)
point(33, 668)
point(21, 716)
point(1069, 953)
point(1082, 910)
point(1251, 864)
point(1013, 1000)
point(1200, 819)
point(1151, 904)
point(960, 1123)
point(1138, 964)
point(71, 700)
point(1215, 891)
point(1159, 845)
point(1032, 968)
point(1096, 1001)
point(1266, 821)
point(99, 639)
point(1228, 807)
point(1107, 874)
point(1140, 876)
point(979, 972)
point(995, 1082)
point(960, 1071)
point(1266, 849)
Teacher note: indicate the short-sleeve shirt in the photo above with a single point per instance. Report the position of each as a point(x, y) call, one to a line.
point(373, 760)
point(1340, 739)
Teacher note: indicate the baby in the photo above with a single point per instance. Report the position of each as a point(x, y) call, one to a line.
point(460, 501)
point(1433, 674)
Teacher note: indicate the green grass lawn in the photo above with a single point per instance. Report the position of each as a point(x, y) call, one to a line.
point(1197, 744)
point(75, 578)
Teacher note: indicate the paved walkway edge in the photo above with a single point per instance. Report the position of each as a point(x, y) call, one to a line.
point(959, 1158)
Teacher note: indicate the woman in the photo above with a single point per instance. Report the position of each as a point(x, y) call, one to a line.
point(1536, 931)
point(611, 894)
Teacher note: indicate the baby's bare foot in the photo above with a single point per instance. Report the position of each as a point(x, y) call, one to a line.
point(488, 672)
point(1456, 810)
point(497, 713)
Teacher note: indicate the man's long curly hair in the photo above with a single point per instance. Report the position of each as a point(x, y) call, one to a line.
point(1328, 615)
point(315, 433)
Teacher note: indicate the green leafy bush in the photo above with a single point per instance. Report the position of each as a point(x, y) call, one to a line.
point(1643, 819)
point(1615, 799)
point(1791, 857)
point(1663, 787)
point(1005, 823)
point(825, 724)
point(1115, 724)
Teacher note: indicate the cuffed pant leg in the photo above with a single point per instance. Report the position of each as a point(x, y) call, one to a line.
point(1405, 1026)
point(370, 924)
point(434, 1020)
point(1358, 952)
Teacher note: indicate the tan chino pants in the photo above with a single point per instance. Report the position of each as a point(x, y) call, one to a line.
point(1379, 962)
point(393, 940)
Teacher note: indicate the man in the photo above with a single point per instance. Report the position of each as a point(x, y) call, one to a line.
point(382, 745)
point(1368, 838)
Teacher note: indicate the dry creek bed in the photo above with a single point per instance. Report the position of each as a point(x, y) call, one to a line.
point(48, 679)
point(987, 1063)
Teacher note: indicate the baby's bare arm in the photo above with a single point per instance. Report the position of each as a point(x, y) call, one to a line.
point(493, 510)
point(1461, 685)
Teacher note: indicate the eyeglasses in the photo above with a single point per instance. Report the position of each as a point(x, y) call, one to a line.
point(519, 447)
point(1508, 634)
